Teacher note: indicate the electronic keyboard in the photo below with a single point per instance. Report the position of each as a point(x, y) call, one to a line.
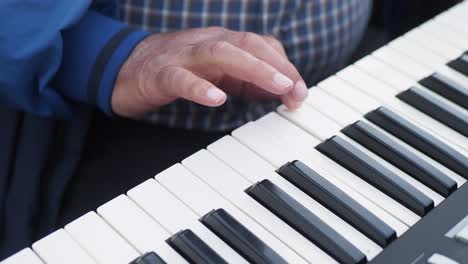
point(372, 169)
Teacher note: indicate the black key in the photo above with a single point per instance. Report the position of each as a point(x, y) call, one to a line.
point(419, 139)
point(436, 108)
point(376, 174)
point(149, 258)
point(447, 88)
point(193, 249)
point(247, 244)
point(400, 157)
point(305, 222)
point(337, 201)
point(460, 64)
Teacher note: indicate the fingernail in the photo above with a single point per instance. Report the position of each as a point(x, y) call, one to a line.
point(300, 91)
point(215, 95)
point(281, 81)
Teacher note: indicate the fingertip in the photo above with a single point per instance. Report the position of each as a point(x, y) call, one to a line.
point(216, 96)
point(300, 91)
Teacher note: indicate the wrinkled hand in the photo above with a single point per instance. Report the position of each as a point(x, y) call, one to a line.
point(203, 65)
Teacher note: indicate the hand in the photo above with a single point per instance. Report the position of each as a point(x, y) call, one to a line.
point(202, 65)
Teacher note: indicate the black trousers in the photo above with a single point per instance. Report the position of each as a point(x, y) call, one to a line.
point(120, 154)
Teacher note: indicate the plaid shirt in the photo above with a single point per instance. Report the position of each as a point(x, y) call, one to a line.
point(318, 36)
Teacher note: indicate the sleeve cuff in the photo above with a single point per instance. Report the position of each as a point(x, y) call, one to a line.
point(107, 66)
point(93, 52)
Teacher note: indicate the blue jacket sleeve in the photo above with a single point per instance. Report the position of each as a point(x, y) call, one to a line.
point(56, 54)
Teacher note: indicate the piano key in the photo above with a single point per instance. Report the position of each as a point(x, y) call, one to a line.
point(417, 53)
point(337, 201)
point(100, 240)
point(344, 92)
point(436, 45)
point(149, 258)
point(306, 223)
point(385, 95)
point(454, 23)
point(401, 157)
point(376, 68)
point(231, 185)
point(437, 108)
point(331, 107)
point(240, 238)
point(375, 174)
point(203, 199)
point(59, 248)
point(419, 139)
point(462, 235)
point(460, 64)
point(440, 259)
point(25, 256)
point(443, 33)
point(302, 117)
point(194, 250)
point(402, 63)
point(434, 196)
point(138, 228)
point(447, 88)
point(174, 215)
point(278, 152)
point(254, 168)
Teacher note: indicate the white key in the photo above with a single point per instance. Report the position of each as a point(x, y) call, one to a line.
point(175, 216)
point(442, 33)
point(306, 113)
point(438, 46)
point(453, 22)
point(59, 247)
point(440, 259)
point(377, 68)
point(437, 198)
point(25, 256)
point(100, 240)
point(402, 63)
point(202, 199)
point(417, 53)
point(253, 168)
point(231, 185)
point(331, 107)
point(138, 228)
point(259, 140)
point(344, 92)
point(462, 235)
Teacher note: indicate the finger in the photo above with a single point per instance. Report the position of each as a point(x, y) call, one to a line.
point(241, 65)
point(270, 50)
point(265, 48)
point(181, 83)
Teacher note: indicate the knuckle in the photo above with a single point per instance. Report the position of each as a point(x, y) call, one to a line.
point(218, 47)
point(249, 39)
